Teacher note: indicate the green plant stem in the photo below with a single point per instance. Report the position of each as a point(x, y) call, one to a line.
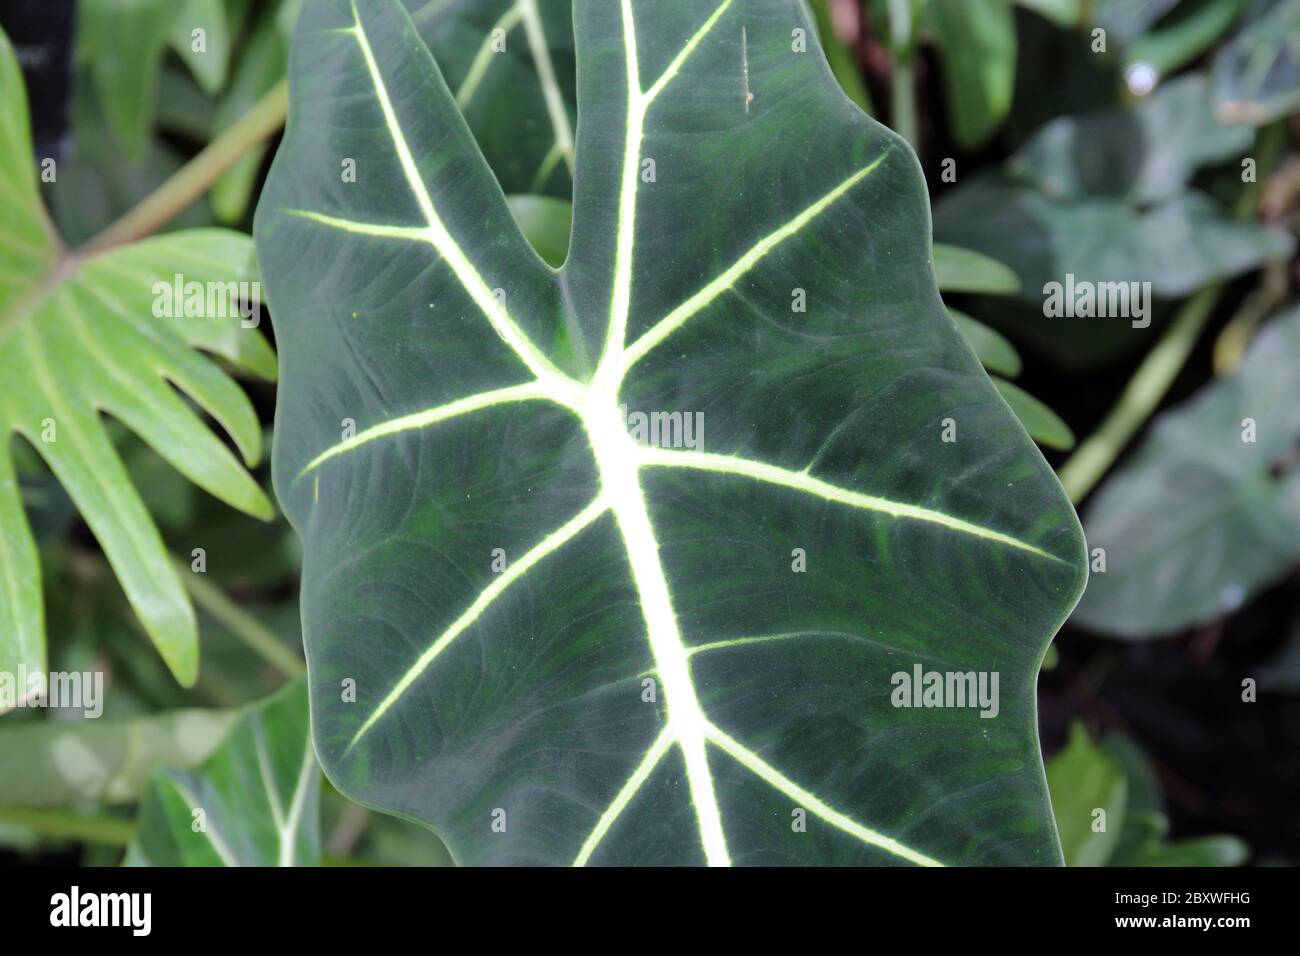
point(242, 624)
point(903, 82)
point(1230, 347)
point(349, 829)
point(195, 178)
point(66, 825)
point(903, 97)
point(1143, 393)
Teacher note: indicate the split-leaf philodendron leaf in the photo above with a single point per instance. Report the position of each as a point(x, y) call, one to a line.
point(254, 802)
point(81, 333)
point(558, 644)
point(123, 42)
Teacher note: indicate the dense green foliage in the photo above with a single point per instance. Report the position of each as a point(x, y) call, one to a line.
point(496, 230)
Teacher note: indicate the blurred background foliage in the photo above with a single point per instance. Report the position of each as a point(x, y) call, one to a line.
point(1115, 140)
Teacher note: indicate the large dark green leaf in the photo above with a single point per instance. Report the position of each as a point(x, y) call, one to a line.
point(1203, 516)
point(80, 335)
point(254, 802)
point(510, 64)
point(647, 674)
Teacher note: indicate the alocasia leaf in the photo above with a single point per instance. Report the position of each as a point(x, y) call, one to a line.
point(80, 335)
point(557, 644)
point(254, 802)
point(1145, 154)
point(510, 64)
point(1207, 512)
point(1256, 76)
point(1103, 197)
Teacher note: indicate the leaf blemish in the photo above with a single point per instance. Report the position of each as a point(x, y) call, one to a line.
point(744, 66)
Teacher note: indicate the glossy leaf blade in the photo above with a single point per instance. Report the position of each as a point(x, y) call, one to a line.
point(569, 647)
point(510, 64)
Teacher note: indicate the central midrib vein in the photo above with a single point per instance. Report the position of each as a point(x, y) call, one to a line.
point(616, 460)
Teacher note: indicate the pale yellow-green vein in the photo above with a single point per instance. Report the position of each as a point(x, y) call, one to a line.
point(728, 278)
point(809, 801)
point(624, 796)
point(529, 391)
point(514, 572)
point(803, 482)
